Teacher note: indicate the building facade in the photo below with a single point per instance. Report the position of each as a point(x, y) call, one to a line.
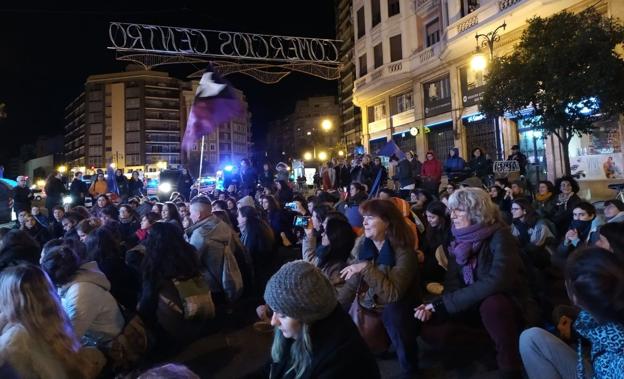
point(350, 116)
point(415, 84)
point(136, 120)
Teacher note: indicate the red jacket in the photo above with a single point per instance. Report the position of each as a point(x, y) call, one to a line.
point(432, 168)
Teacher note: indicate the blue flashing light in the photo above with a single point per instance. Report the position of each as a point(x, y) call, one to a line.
point(228, 168)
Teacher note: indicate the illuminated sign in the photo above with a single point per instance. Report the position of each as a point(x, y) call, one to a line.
point(155, 39)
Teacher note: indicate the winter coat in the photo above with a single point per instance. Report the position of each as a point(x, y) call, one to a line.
point(54, 188)
point(617, 218)
point(338, 351)
point(55, 229)
point(481, 166)
point(566, 247)
point(387, 284)
point(405, 175)
point(31, 358)
point(454, 163)
point(432, 169)
point(343, 178)
point(499, 270)
point(563, 212)
point(22, 199)
point(546, 208)
point(267, 178)
point(122, 184)
point(416, 168)
point(39, 233)
point(91, 308)
point(135, 187)
point(78, 190)
point(282, 175)
point(215, 242)
point(607, 346)
point(249, 178)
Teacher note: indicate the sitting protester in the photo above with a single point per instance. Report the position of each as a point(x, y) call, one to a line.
point(18, 247)
point(594, 280)
point(437, 237)
point(86, 227)
point(583, 231)
point(35, 230)
point(614, 211)
point(314, 336)
point(611, 237)
point(259, 240)
point(85, 295)
point(36, 337)
point(55, 226)
point(533, 232)
point(147, 222)
point(545, 201)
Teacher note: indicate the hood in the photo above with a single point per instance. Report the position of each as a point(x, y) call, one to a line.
point(89, 273)
point(456, 151)
point(212, 227)
point(433, 154)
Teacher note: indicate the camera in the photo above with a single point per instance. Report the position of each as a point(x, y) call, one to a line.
point(292, 205)
point(302, 221)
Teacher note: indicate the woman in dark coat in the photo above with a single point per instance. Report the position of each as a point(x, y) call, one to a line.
point(259, 240)
point(435, 243)
point(185, 182)
point(135, 185)
point(566, 200)
point(480, 165)
point(284, 193)
point(485, 283)
point(54, 190)
point(314, 336)
point(122, 184)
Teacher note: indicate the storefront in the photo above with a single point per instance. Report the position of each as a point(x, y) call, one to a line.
point(440, 138)
point(405, 141)
point(480, 133)
point(599, 156)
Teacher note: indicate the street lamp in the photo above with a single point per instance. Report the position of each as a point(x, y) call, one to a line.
point(326, 124)
point(322, 156)
point(479, 63)
point(307, 156)
point(62, 169)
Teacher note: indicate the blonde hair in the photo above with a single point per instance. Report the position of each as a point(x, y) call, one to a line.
point(477, 203)
point(28, 298)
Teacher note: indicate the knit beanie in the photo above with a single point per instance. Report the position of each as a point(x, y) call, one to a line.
point(300, 290)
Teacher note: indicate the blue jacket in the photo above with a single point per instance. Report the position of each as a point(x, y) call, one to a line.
point(454, 163)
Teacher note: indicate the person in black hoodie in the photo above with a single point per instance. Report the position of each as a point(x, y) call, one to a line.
point(480, 165)
point(78, 189)
point(314, 336)
point(22, 196)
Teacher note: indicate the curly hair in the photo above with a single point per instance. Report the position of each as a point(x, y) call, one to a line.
point(480, 207)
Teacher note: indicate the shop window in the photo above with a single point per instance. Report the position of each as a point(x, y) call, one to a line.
point(361, 24)
point(396, 53)
point(376, 12)
point(378, 55)
point(432, 31)
point(393, 7)
point(362, 63)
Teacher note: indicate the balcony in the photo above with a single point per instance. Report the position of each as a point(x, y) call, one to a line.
point(403, 118)
point(377, 126)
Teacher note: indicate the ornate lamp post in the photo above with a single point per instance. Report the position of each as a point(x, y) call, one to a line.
point(479, 62)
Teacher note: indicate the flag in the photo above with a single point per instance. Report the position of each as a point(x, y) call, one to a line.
point(390, 149)
point(111, 181)
point(215, 103)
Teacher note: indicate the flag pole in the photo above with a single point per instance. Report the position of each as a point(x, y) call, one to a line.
point(201, 156)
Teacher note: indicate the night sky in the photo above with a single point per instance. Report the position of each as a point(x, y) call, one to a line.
point(47, 52)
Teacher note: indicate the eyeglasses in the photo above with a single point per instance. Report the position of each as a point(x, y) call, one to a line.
point(515, 209)
point(456, 210)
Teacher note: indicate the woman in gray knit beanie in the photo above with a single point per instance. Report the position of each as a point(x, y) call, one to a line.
point(314, 337)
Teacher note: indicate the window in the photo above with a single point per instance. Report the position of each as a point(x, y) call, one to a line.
point(469, 6)
point(432, 31)
point(362, 65)
point(133, 103)
point(378, 55)
point(133, 137)
point(132, 91)
point(213, 147)
point(132, 115)
point(96, 117)
point(377, 112)
point(404, 102)
point(95, 128)
point(95, 139)
point(132, 126)
point(396, 53)
point(393, 7)
point(95, 151)
point(376, 11)
point(361, 25)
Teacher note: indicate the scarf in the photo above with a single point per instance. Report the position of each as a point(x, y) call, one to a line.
point(369, 252)
point(607, 344)
point(523, 231)
point(582, 228)
point(541, 198)
point(467, 244)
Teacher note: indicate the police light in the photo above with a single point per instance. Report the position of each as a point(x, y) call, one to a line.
point(228, 168)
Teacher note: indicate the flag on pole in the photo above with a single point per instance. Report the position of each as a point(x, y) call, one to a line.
point(111, 180)
point(390, 149)
point(215, 103)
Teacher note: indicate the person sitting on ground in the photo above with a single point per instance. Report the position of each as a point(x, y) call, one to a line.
point(18, 247)
point(55, 227)
point(157, 208)
point(147, 221)
point(357, 195)
point(545, 201)
point(175, 302)
point(614, 211)
point(109, 218)
point(534, 233)
point(611, 237)
point(386, 194)
point(436, 239)
point(279, 220)
point(215, 241)
point(497, 195)
point(566, 201)
point(386, 262)
point(594, 278)
point(19, 221)
point(35, 230)
point(85, 227)
point(41, 218)
point(486, 279)
point(221, 205)
point(85, 295)
point(314, 337)
point(103, 248)
point(36, 338)
point(101, 202)
point(583, 231)
point(129, 223)
point(331, 255)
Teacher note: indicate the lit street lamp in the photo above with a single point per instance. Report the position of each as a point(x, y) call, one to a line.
point(62, 169)
point(479, 62)
point(326, 124)
point(322, 156)
point(307, 156)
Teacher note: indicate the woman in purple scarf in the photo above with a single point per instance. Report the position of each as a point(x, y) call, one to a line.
point(485, 285)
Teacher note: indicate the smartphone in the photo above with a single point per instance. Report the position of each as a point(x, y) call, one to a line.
point(292, 205)
point(302, 221)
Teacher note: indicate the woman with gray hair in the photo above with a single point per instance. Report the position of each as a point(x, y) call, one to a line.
point(485, 282)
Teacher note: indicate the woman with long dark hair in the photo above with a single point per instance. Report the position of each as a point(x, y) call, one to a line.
point(284, 193)
point(434, 246)
point(171, 215)
point(278, 219)
point(105, 250)
point(532, 231)
point(171, 275)
point(259, 240)
point(357, 195)
point(611, 237)
point(387, 264)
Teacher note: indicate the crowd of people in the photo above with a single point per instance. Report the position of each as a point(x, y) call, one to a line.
point(380, 257)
